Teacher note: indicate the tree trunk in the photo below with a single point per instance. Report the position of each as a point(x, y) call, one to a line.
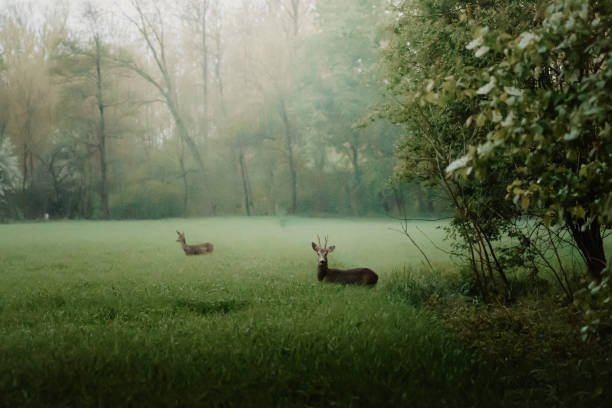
point(295, 16)
point(28, 165)
point(290, 159)
point(184, 134)
point(398, 195)
point(25, 168)
point(184, 178)
point(354, 145)
point(195, 153)
point(245, 184)
point(193, 148)
point(271, 191)
point(218, 74)
point(590, 243)
point(204, 74)
point(101, 133)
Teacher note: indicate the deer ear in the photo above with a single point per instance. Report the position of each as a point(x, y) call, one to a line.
point(331, 248)
point(314, 246)
point(178, 232)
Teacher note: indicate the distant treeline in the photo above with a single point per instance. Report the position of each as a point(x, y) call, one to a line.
point(197, 108)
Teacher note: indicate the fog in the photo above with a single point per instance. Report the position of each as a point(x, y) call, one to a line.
point(149, 109)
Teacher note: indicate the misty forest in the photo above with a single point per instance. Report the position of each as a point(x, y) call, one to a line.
point(305, 203)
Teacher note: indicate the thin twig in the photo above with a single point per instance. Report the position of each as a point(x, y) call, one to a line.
point(436, 246)
point(405, 232)
point(418, 219)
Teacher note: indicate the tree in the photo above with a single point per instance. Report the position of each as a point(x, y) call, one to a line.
point(151, 28)
point(291, 15)
point(10, 176)
point(31, 98)
point(339, 94)
point(197, 15)
point(423, 59)
point(97, 55)
point(547, 104)
point(30, 95)
point(82, 64)
point(63, 160)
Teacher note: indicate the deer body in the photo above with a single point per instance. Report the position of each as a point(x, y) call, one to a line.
point(355, 276)
point(204, 248)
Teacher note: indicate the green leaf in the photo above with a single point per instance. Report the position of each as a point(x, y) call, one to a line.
point(572, 135)
point(525, 201)
point(510, 90)
point(579, 212)
point(509, 121)
point(476, 42)
point(481, 51)
point(485, 89)
point(496, 116)
point(480, 120)
point(526, 39)
point(457, 164)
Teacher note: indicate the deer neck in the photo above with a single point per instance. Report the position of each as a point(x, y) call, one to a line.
point(322, 271)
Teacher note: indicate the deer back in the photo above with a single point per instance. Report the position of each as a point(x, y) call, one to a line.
point(356, 276)
point(204, 248)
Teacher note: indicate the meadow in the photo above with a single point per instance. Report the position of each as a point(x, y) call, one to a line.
point(114, 314)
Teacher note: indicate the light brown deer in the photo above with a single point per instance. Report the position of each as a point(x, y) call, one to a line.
point(356, 276)
point(204, 248)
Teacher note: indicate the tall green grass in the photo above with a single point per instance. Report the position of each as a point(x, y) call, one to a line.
point(114, 314)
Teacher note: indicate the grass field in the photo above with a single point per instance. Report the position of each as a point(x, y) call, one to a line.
point(113, 313)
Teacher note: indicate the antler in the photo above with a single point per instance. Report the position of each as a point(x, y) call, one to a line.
point(319, 239)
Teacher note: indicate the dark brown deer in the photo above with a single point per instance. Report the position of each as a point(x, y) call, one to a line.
point(357, 276)
point(204, 248)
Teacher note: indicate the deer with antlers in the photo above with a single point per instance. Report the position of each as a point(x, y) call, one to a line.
point(204, 248)
point(356, 276)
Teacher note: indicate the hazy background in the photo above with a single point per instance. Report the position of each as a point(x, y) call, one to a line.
point(148, 109)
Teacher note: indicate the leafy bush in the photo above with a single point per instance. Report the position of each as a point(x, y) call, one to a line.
point(546, 106)
point(596, 302)
point(416, 287)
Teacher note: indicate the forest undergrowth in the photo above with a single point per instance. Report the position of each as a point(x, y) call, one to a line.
point(532, 346)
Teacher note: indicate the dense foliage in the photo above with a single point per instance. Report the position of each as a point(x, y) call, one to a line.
point(427, 47)
point(547, 104)
point(506, 106)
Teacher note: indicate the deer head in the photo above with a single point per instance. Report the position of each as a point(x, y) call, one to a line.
point(322, 251)
point(181, 237)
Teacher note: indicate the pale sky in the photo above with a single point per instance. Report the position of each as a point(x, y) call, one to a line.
point(76, 7)
point(115, 8)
